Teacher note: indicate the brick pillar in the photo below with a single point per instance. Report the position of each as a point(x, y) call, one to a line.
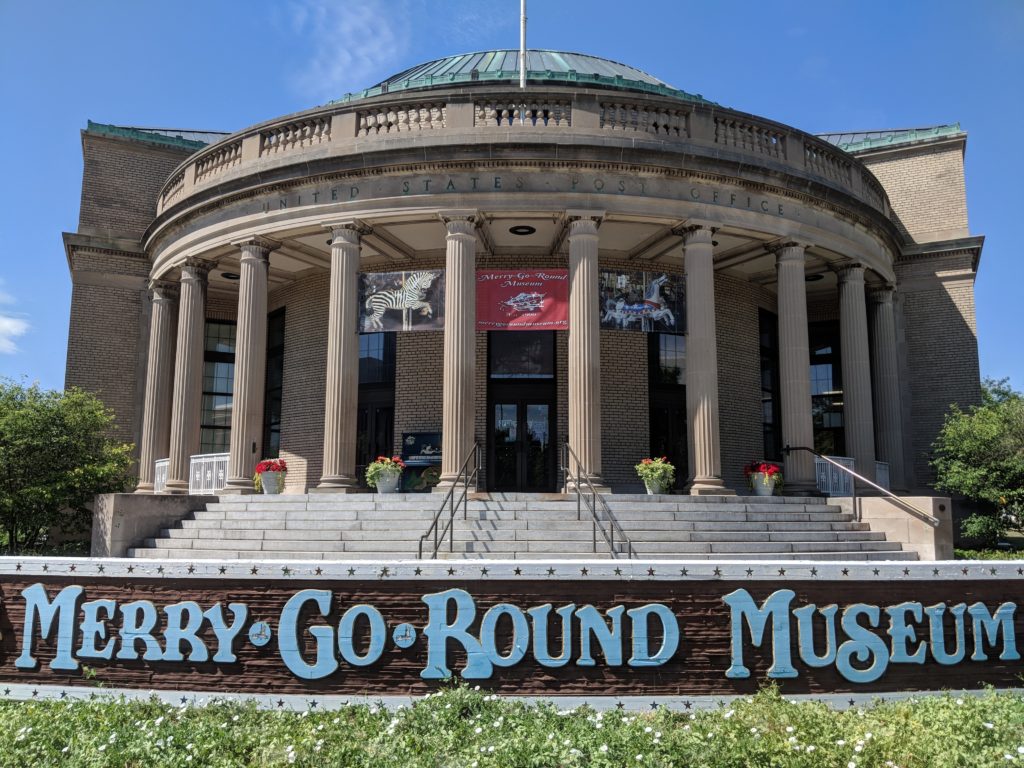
point(702, 362)
point(458, 412)
point(858, 421)
point(156, 415)
point(250, 364)
point(795, 368)
point(585, 345)
point(342, 401)
point(188, 375)
point(885, 384)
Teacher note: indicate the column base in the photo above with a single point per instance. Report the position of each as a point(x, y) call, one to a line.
point(144, 488)
point(596, 482)
point(176, 487)
point(709, 486)
point(238, 486)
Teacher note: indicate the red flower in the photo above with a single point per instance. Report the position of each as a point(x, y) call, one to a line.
point(271, 465)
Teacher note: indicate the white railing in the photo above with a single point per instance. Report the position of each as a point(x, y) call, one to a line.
point(160, 475)
point(831, 480)
point(208, 473)
point(882, 474)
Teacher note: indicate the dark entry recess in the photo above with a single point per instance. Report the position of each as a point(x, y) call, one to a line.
point(666, 378)
point(521, 390)
point(375, 418)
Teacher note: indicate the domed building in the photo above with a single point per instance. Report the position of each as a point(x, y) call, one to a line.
point(446, 265)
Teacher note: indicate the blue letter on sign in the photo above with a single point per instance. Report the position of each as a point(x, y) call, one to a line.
point(439, 632)
point(744, 608)
point(288, 636)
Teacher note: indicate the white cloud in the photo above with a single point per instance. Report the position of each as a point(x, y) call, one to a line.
point(351, 45)
point(10, 329)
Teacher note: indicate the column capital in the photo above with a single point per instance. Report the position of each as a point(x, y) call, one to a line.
point(257, 245)
point(788, 249)
point(348, 232)
point(196, 270)
point(163, 290)
point(851, 273)
point(577, 214)
point(882, 293)
point(460, 222)
point(695, 233)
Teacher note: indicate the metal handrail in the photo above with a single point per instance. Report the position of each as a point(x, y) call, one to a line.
point(902, 503)
point(449, 501)
point(578, 477)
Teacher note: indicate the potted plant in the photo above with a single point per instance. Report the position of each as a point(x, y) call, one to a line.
point(658, 474)
point(384, 474)
point(270, 475)
point(763, 476)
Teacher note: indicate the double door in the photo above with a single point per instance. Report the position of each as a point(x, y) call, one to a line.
point(522, 447)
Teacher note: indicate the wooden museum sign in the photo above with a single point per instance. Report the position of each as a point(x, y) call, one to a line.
point(656, 631)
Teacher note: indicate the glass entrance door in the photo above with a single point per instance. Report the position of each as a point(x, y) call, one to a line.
point(522, 445)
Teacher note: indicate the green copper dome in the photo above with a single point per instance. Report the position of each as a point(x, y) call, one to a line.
point(548, 67)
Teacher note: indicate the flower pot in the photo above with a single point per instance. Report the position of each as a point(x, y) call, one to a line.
point(654, 487)
point(387, 482)
point(760, 486)
point(272, 482)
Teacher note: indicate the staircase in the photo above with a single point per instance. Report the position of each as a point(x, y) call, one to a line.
point(518, 526)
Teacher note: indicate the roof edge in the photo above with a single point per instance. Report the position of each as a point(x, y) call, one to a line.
point(139, 134)
point(895, 137)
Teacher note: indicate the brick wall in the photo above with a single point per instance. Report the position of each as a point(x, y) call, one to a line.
point(739, 374)
point(304, 386)
point(121, 182)
point(109, 335)
point(936, 299)
point(926, 189)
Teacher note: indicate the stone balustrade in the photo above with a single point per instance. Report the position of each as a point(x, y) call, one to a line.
point(401, 119)
point(749, 136)
point(223, 157)
point(508, 112)
point(645, 118)
point(295, 135)
point(692, 128)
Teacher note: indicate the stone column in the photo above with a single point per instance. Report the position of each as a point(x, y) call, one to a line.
point(585, 345)
point(458, 414)
point(885, 384)
point(156, 414)
point(342, 401)
point(858, 421)
point(702, 362)
point(250, 364)
point(795, 368)
point(188, 374)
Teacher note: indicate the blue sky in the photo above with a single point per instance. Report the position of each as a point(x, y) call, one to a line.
point(218, 65)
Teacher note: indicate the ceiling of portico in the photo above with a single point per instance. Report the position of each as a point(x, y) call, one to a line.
point(394, 243)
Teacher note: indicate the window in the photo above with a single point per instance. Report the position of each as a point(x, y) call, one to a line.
point(375, 416)
point(771, 419)
point(377, 358)
point(218, 386)
point(826, 389)
point(521, 354)
point(275, 385)
point(666, 378)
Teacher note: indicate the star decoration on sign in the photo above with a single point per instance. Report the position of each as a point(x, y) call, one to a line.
point(254, 570)
point(650, 571)
point(183, 700)
point(35, 693)
point(782, 571)
point(584, 572)
point(101, 568)
point(484, 571)
point(1020, 571)
point(619, 705)
point(846, 571)
point(160, 569)
point(286, 571)
point(935, 571)
point(654, 705)
point(518, 571)
point(131, 569)
point(223, 569)
point(280, 703)
point(63, 694)
point(191, 568)
point(618, 571)
point(687, 704)
point(385, 572)
point(814, 571)
point(312, 704)
point(418, 572)
point(7, 691)
point(852, 702)
point(46, 567)
point(451, 571)
point(992, 571)
point(875, 571)
point(964, 571)
point(684, 572)
point(906, 571)
point(750, 571)
point(72, 568)
point(718, 571)
point(551, 571)
point(318, 571)
point(351, 571)
point(17, 567)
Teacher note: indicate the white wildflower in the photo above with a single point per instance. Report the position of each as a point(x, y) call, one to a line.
point(648, 729)
point(990, 726)
point(478, 730)
point(604, 748)
point(790, 729)
point(729, 714)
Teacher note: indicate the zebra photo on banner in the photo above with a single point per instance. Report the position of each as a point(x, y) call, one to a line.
point(401, 301)
point(642, 301)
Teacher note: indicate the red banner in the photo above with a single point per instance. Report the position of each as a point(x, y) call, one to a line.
point(522, 300)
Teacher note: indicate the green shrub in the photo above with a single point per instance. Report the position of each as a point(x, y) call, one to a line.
point(463, 727)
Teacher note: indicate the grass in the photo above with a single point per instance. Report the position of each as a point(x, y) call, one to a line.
point(463, 727)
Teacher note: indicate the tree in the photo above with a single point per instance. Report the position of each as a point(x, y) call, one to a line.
point(55, 456)
point(980, 454)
